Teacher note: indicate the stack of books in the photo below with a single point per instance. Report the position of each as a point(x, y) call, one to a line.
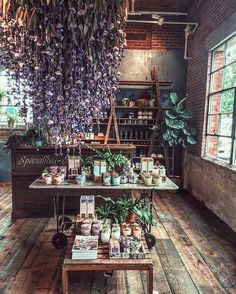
point(85, 247)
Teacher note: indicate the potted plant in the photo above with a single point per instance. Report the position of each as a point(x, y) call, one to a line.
point(2, 94)
point(116, 179)
point(14, 141)
point(115, 231)
point(106, 178)
point(113, 160)
point(35, 136)
point(147, 178)
point(106, 212)
point(105, 233)
point(175, 128)
point(11, 120)
point(128, 209)
point(157, 179)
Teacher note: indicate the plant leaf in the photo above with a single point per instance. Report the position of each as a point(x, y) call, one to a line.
point(174, 123)
point(174, 98)
point(191, 140)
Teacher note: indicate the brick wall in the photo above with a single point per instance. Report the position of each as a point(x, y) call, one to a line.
point(210, 15)
point(154, 37)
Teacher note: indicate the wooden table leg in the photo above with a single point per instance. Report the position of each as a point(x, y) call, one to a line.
point(150, 281)
point(64, 281)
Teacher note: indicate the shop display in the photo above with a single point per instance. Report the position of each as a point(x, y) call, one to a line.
point(147, 164)
point(99, 167)
point(80, 179)
point(128, 247)
point(105, 233)
point(116, 178)
point(85, 247)
point(106, 178)
point(73, 166)
point(87, 206)
point(115, 232)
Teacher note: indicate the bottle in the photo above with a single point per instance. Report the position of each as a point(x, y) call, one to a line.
point(141, 135)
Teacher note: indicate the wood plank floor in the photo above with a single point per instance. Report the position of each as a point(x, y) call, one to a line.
point(195, 253)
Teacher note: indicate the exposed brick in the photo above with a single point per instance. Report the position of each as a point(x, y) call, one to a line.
point(209, 15)
point(162, 38)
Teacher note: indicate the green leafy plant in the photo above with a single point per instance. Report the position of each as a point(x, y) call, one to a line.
point(176, 129)
point(34, 134)
point(2, 94)
point(14, 141)
point(107, 211)
point(122, 206)
point(113, 160)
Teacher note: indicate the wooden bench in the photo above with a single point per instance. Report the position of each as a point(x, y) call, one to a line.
point(104, 263)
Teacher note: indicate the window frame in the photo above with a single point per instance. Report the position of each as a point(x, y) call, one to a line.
point(211, 72)
point(3, 104)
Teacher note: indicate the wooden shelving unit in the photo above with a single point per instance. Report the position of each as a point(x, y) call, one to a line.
point(121, 128)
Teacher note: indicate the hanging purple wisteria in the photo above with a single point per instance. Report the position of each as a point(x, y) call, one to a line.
point(63, 58)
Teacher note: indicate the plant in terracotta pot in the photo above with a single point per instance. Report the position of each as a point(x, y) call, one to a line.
point(129, 209)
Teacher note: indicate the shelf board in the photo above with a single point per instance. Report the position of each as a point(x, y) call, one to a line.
point(93, 139)
point(135, 140)
point(133, 125)
point(135, 118)
point(134, 107)
point(155, 158)
point(145, 83)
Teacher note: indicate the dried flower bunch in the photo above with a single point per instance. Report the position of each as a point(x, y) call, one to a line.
point(63, 58)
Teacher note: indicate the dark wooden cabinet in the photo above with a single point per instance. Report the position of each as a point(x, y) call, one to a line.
point(28, 164)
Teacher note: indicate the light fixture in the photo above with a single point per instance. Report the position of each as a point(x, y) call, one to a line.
point(160, 19)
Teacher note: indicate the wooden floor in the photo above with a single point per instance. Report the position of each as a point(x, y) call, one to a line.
point(195, 253)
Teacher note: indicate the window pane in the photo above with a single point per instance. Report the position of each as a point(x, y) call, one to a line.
point(3, 81)
point(234, 155)
point(213, 124)
point(214, 103)
point(218, 147)
point(216, 81)
point(220, 124)
point(224, 148)
point(218, 58)
point(211, 146)
point(226, 122)
point(231, 51)
point(229, 76)
point(227, 101)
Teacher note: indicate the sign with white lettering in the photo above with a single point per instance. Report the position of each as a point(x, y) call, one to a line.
point(39, 161)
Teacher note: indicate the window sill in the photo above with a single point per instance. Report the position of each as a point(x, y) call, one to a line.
point(220, 163)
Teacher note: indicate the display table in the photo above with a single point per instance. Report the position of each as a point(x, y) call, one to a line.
point(63, 191)
point(90, 185)
point(28, 164)
point(104, 263)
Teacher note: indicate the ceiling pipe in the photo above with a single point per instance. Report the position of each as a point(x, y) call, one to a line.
point(133, 12)
point(195, 24)
point(157, 12)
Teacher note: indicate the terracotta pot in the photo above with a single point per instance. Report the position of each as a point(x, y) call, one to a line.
point(131, 218)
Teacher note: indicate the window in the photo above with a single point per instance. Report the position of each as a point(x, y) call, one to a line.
point(9, 113)
point(221, 114)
